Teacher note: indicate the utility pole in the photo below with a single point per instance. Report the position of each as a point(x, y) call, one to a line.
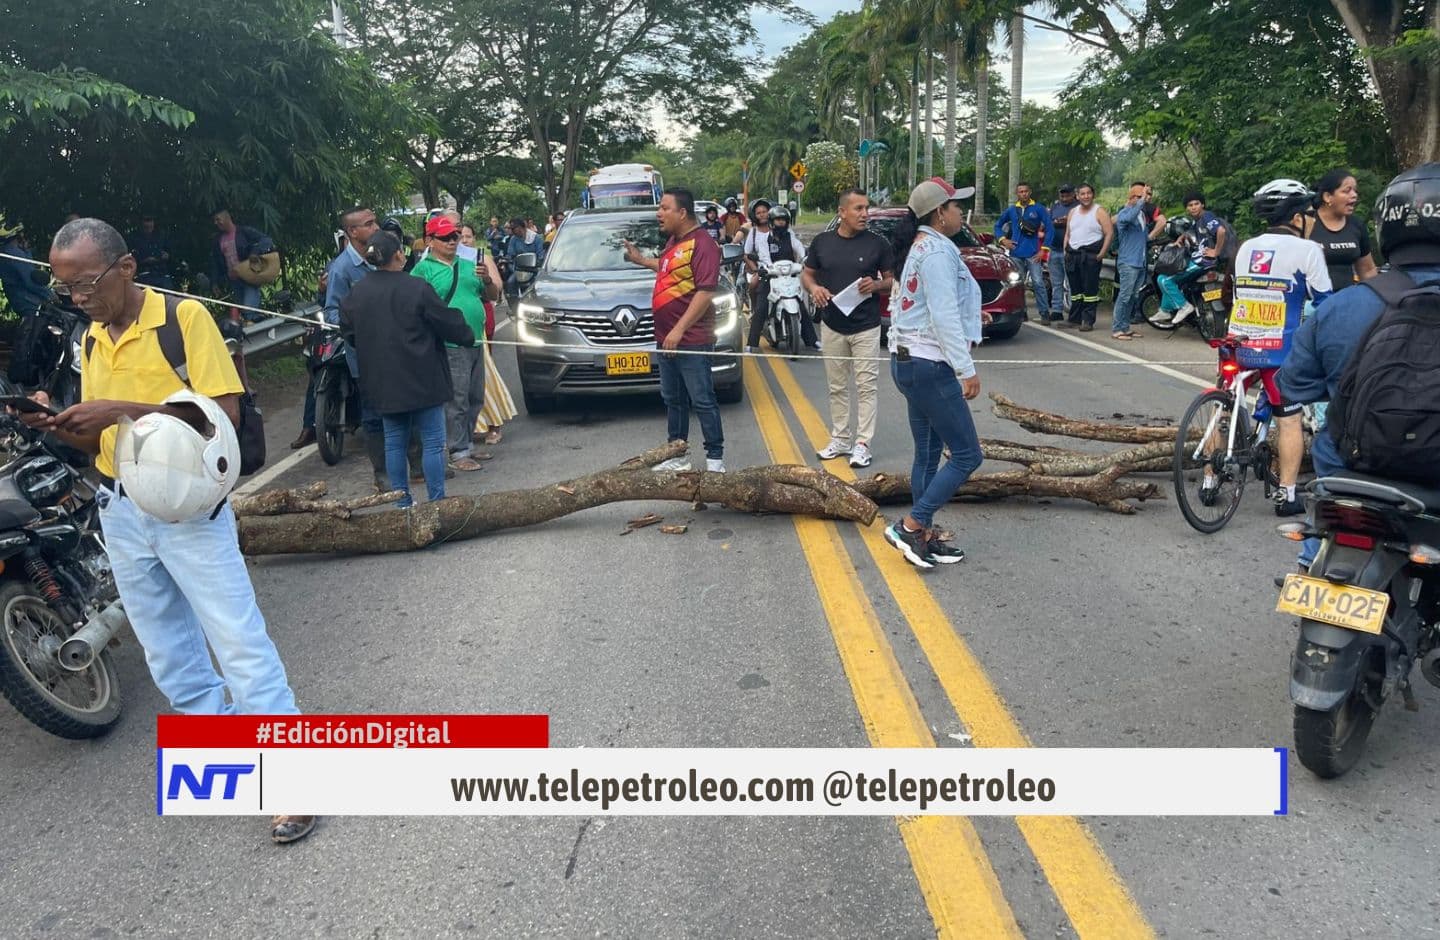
point(338, 30)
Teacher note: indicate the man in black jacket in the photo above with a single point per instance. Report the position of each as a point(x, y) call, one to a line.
point(398, 327)
point(235, 245)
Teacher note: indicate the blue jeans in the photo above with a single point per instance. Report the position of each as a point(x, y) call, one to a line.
point(1059, 284)
point(249, 296)
point(1125, 296)
point(1033, 270)
point(431, 424)
point(185, 585)
point(685, 383)
point(939, 418)
point(1171, 299)
point(308, 421)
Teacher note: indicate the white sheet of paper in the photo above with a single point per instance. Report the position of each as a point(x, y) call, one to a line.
point(467, 253)
point(848, 299)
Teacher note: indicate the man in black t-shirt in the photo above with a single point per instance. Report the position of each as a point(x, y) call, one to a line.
point(852, 257)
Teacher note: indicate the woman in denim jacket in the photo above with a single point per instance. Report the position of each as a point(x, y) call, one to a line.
point(935, 320)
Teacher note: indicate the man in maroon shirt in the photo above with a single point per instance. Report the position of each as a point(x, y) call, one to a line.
point(686, 275)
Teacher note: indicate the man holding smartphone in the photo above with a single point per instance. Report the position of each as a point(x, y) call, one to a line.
point(464, 285)
point(185, 586)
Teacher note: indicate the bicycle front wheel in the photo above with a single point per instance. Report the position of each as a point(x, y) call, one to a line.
point(1209, 474)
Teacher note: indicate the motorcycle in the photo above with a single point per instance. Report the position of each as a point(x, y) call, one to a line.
point(59, 608)
point(325, 357)
point(782, 320)
point(1209, 292)
point(47, 348)
point(1369, 611)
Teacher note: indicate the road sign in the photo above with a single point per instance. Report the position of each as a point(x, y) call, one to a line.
point(798, 170)
point(798, 186)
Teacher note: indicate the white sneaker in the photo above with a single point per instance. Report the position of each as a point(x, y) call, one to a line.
point(1164, 316)
point(833, 449)
point(860, 456)
point(1184, 312)
point(714, 466)
point(673, 465)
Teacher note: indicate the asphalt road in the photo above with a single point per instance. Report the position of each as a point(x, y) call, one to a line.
point(1092, 629)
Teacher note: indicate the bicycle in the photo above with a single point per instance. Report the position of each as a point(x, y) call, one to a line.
point(1222, 414)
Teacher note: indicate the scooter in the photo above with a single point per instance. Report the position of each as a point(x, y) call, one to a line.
point(325, 356)
point(1369, 610)
point(782, 322)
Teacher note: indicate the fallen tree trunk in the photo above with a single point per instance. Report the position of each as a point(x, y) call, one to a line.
point(782, 489)
point(1104, 489)
point(1044, 422)
point(1056, 462)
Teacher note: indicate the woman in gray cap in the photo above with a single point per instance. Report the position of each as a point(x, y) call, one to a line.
point(935, 321)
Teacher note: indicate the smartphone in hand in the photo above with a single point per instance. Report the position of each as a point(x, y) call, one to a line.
point(27, 405)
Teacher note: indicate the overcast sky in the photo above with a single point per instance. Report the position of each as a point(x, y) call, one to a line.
point(1049, 62)
point(1050, 59)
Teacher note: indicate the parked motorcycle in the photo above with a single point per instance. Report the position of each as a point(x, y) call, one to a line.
point(325, 358)
point(1369, 609)
point(59, 608)
point(782, 320)
point(1210, 292)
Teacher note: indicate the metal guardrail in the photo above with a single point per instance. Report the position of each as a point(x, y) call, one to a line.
point(277, 331)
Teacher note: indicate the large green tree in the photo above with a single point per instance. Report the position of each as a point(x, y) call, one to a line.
point(287, 129)
point(558, 62)
point(1243, 91)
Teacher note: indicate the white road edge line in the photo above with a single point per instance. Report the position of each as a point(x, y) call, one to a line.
point(263, 479)
point(1127, 357)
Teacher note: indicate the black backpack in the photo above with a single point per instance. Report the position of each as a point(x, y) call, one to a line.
point(172, 343)
point(1385, 419)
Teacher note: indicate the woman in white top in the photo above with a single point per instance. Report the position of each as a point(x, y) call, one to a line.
point(1088, 231)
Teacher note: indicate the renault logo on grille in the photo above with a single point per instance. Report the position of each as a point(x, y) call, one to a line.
point(625, 320)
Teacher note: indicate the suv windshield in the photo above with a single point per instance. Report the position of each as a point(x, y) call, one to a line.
point(599, 244)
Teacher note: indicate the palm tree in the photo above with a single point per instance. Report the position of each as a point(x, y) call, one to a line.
point(858, 71)
point(1017, 80)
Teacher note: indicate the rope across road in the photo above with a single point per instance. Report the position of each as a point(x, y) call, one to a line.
point(561, 347)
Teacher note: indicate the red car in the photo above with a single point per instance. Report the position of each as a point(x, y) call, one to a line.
point(1002, 295)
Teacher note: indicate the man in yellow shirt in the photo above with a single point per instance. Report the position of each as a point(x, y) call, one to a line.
point(184, 584)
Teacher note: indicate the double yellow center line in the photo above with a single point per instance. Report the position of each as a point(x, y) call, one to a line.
point(960, 886)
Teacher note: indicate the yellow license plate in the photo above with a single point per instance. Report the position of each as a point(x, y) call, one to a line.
point(1212, 294)
point(1345, 606)
point(631, 363)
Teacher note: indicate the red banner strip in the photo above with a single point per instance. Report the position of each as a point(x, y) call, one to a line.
point(392, 731)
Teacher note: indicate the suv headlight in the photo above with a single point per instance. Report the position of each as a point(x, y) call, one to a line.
point(536, 314)
point(727, 313)
point(529, 315)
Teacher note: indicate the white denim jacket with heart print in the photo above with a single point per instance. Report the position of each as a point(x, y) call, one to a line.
point(935, 307)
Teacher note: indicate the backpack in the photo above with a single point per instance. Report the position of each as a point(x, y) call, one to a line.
point(1385, 418)
point(251, 430)
point(1172, 259)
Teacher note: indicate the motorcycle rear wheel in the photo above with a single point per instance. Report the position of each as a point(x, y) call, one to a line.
point(1330, 743)
point(67, 704)
point(330, 422)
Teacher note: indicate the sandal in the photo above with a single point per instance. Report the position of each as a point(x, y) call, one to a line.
point(467, 464)
point(494, 437)
point(1125, 336)
point(285, 829)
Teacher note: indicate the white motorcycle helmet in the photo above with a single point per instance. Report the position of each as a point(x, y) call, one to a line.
point(171, 470)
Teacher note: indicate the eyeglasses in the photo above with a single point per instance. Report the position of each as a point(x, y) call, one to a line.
point(65, 289)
